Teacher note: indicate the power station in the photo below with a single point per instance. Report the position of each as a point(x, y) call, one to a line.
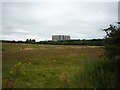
point(60, 37)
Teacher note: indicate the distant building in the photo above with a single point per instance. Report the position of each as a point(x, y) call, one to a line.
point(60, 37)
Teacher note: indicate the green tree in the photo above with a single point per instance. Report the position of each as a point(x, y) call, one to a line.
point(30, 41)
point(112, 42)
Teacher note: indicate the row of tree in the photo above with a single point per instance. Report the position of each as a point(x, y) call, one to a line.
point(29, 41)
point(92, 42)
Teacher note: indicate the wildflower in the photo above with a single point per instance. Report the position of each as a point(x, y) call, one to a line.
point(15, 65)
point(19, 63)
point(10, 84)
point(11, 72)
point(23, 72)
point(54, 60)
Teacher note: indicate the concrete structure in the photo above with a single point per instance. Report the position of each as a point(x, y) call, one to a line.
point(60, 37)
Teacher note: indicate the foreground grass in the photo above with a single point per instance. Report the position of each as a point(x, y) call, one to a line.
point(53, 66)
point(102, 73)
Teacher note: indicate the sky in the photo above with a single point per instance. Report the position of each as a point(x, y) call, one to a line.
point(40, 20)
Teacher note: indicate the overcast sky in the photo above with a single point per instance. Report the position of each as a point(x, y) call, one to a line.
point(41, 20)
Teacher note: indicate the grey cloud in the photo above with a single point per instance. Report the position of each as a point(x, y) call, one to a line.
point(41, 20)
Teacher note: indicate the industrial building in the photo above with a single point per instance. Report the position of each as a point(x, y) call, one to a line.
point(60, 37)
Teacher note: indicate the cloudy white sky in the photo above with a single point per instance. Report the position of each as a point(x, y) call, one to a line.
point(40, 20)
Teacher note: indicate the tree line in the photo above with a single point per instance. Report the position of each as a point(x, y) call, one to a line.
point(91, 42)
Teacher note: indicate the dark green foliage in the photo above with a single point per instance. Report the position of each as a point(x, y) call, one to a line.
point(112, 42)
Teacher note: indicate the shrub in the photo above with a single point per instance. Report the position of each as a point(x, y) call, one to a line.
point(112, 42)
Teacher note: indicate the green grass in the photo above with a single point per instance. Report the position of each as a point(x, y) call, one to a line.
point(101, 73)
point(54, 66)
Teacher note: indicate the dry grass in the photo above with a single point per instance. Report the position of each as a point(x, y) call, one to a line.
point(47, 51)
point(49, 63)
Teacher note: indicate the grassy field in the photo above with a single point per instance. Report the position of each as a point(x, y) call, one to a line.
point(52, 66)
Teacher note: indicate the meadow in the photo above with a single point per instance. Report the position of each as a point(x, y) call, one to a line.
point(55, 66)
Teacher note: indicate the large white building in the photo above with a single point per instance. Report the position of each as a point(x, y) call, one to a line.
point(60, 37)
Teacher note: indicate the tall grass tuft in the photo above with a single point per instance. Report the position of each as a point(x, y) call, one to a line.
point(102, 73)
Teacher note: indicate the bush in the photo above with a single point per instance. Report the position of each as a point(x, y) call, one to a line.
point(112, 42)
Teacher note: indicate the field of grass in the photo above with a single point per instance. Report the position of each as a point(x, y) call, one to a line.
point(52, 66)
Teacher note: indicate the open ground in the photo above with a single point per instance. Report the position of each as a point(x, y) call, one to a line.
point(47, 66)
